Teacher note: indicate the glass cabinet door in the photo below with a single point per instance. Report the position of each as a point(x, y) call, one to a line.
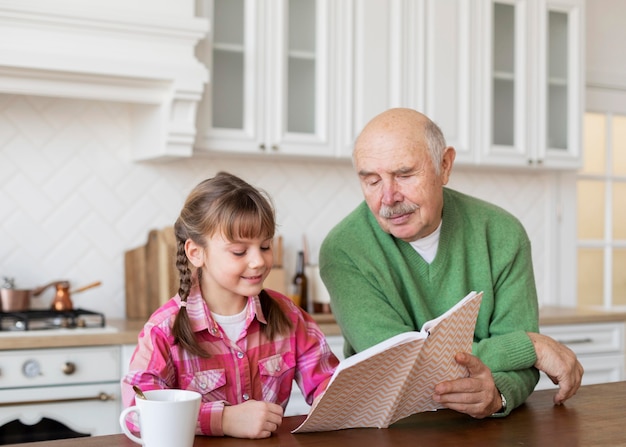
point(503, 83)
point(270, 74)
point(227, 80)
point(299, 102)
point(301, 63)
point(560, 113)
point(508, 82)
point(533, 87)
point(228, 115)
point(557, 80)
point(504, 136)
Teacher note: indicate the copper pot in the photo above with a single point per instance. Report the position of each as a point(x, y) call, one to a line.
point(15, 300)
point(62, 300)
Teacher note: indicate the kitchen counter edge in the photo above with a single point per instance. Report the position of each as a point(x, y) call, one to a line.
point(126, 331)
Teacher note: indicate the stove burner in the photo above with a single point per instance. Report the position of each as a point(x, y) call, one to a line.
point(30, 320)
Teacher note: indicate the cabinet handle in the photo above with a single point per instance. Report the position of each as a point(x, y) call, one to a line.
point(262, 147)
point(102, 397)
point(69, 368)
point(576, 341)
point(274, 147)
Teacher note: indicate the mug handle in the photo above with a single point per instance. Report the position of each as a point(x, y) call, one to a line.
point(127, 432)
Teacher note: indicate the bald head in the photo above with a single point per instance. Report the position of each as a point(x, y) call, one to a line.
point(409, 127)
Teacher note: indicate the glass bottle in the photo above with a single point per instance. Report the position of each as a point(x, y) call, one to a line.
point(299, 284)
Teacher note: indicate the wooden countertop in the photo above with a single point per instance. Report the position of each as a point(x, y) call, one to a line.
point(552, 315)
point(594, 417)
point(117, 332)
point(123, 332)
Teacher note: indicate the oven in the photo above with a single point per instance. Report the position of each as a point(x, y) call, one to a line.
point(57, 393)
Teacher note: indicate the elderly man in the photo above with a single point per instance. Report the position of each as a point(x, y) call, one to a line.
point(414, 248)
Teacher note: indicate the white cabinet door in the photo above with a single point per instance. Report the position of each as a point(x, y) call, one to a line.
point(532, 87)
point(369, 66)
point(560, 83)
point(449, 72)
point(272, 89)
point(504, 53)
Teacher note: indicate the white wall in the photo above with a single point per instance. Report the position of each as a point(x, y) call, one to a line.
point(605, 35)
point(71, 201)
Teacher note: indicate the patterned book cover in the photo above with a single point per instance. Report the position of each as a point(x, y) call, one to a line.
point(396, 377)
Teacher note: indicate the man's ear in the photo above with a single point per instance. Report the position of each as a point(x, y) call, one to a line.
point(446, 164)
point(195, 253)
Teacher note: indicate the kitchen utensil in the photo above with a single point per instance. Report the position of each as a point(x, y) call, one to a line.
point(62, 300)
point(139, 393)
point(14, 300)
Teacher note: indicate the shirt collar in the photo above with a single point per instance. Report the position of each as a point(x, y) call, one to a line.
point(200, 316)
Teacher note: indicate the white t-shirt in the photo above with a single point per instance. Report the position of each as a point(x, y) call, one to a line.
point(232, 325)
point(427, 246)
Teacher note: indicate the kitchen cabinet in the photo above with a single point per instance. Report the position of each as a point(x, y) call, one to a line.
point(532, 87)
point(438, 68)
point(59, 392)
point(272, 89)
point(598, 346)
point(502, 78)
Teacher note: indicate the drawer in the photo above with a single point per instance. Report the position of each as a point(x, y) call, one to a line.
point(598, 338)
point(40, 367)
point(598, 369)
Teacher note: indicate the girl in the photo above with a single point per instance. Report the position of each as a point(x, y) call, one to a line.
point(223, 335)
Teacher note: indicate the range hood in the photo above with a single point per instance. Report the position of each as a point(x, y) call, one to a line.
point(140, 52)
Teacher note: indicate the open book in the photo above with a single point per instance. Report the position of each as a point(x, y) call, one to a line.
point(396, 378)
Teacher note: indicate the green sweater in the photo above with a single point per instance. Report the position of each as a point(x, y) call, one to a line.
point(380, 286)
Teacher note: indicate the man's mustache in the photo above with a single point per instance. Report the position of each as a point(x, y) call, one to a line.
point(387, 212)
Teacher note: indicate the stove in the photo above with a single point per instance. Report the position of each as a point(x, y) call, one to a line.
point(31, 320)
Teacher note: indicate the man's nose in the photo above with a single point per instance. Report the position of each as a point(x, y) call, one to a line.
point(391, 193)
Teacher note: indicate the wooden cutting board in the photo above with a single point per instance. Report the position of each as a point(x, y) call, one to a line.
point(135, 283)
point(151, 277)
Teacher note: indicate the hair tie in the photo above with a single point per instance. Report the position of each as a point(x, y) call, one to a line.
point(183, 303)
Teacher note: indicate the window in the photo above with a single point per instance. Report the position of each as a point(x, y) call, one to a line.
point(601, 196)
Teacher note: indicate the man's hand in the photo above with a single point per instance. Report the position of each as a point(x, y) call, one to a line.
point(252, 419)
point(559, 363)
point(475, 395)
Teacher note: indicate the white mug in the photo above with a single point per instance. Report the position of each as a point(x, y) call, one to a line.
point(166, 418)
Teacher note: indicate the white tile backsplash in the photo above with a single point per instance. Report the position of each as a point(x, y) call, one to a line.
point(72, 201)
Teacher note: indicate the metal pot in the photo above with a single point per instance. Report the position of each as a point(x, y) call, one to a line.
point(15, 300)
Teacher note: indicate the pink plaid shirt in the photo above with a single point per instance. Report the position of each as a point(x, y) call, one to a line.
point(252, 367)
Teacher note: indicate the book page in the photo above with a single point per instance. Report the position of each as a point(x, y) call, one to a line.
point(449, 334)
point(396, 340)
point(364, 394)
point(431, 323)
point(396, 378)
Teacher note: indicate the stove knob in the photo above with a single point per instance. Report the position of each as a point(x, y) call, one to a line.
point(31, 368)
point(69, 368)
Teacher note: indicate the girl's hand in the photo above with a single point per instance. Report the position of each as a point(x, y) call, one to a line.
point(252, 419)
